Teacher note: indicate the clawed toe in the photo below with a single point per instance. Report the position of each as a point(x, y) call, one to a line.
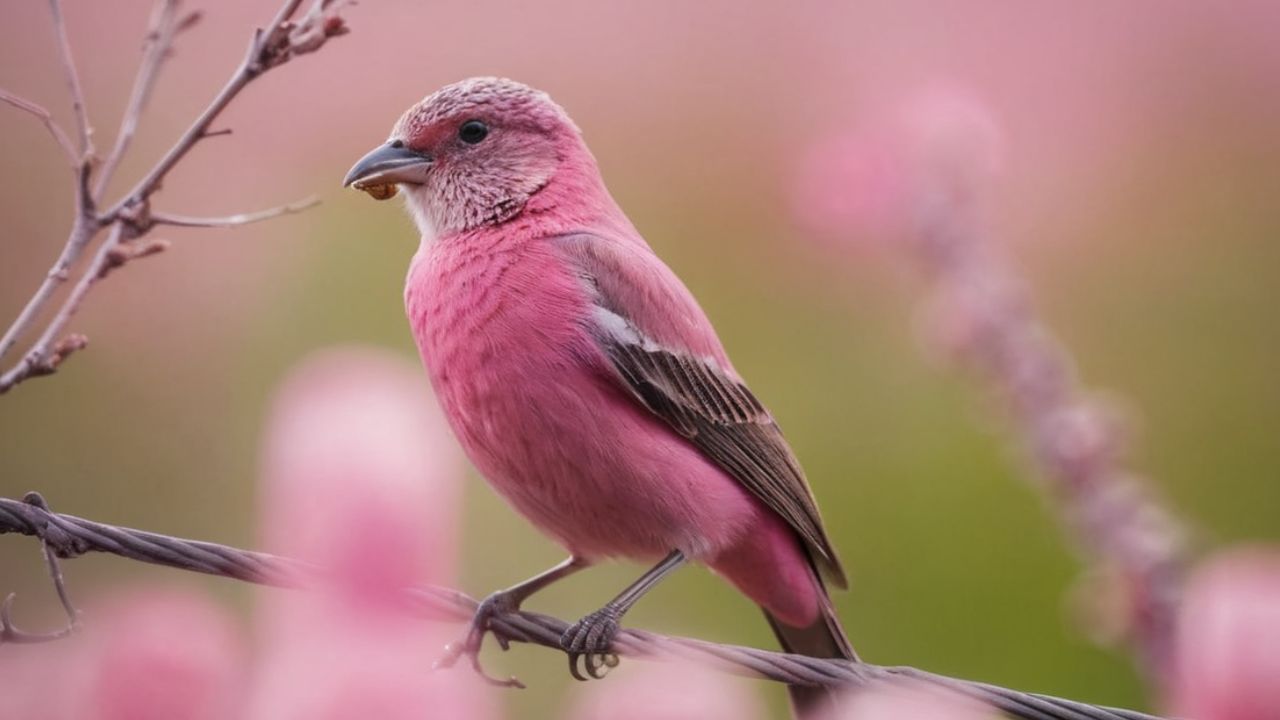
point(589, 640)
point(491, 607)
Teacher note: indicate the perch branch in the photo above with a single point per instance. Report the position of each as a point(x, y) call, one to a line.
point(67, 536)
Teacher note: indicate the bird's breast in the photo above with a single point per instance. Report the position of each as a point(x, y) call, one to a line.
point(503, 333)
point(500, 329)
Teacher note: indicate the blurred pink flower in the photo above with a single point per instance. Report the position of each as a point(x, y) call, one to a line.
point(34, 680)
point(360, 478)
point(851, 185)
point(167, 654)
point(360, 474)
point(665, 691)
point(1228, 651)
point(162, 654)
point(868, 180)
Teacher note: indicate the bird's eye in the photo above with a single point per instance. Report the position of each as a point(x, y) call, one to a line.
point(473, 131)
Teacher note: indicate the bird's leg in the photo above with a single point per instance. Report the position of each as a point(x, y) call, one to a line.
point(501, 603)
point(589, 639)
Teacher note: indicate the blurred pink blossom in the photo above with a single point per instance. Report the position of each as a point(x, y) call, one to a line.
point(147, 653)
point(360, 474)
point(1228, 650)
point(161, 654)
point(917, 177)
point(868, 180)
point(665, 691)
point(361, 478)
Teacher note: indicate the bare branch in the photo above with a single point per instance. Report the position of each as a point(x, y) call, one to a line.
point(283, 39)
point(61, 137)
point(269, 49)
point(68, 536)
point(84, 130)
point(40, 360)
point(234, 220)
point(83, 229)
point(164, 26)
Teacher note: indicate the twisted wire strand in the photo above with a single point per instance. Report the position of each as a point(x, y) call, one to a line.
point(68, 536)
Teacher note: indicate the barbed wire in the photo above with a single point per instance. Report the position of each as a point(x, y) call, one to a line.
point(67, 536)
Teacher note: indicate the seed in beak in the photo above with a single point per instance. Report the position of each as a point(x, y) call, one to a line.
point(382, 191)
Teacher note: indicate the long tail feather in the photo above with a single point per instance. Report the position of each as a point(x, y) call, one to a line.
point(824, 638)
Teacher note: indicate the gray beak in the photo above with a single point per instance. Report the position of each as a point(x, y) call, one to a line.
point(388, 164)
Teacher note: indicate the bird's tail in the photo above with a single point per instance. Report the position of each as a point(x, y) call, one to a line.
point(824, 638)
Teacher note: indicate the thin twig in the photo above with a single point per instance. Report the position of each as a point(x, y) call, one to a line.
point(269, 49)
point(58, 135)
point(69, 536)
point(161, 31)
point(83, 129)
point(83, 229)
point(39, 361)
point(233, 220)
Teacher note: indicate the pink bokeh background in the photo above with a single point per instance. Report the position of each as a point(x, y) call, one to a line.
point(1129, 161)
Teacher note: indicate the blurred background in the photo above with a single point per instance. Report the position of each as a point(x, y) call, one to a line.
point(1137, 192)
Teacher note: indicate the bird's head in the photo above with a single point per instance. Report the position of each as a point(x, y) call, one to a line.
point(470, 154)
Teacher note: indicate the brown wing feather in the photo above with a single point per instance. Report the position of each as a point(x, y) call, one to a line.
point(721, 417)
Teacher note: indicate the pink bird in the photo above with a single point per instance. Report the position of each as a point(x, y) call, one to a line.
point(583, 379)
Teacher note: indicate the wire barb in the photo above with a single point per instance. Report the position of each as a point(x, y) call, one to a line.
point(9, 633)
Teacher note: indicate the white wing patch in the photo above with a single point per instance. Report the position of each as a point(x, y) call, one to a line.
point(616, 328)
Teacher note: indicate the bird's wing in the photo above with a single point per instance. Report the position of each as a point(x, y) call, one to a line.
point(665, 353)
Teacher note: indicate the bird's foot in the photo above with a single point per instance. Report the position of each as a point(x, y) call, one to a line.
point(589, 640)
point(497, 604)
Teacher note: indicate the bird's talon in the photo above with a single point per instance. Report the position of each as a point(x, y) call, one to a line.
point(588, 641)
point(511, 681)
point(598, 666)
point(491, 607)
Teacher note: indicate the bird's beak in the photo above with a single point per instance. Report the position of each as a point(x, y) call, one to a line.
point(389, 164)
